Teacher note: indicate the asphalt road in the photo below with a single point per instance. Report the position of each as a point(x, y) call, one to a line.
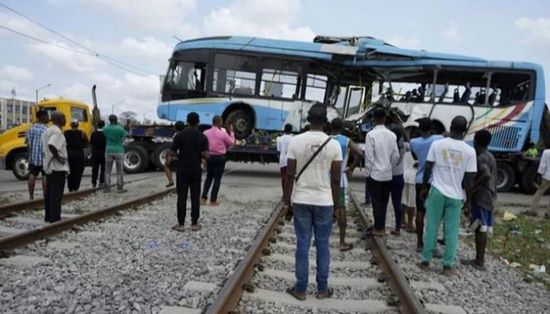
point(265, 175)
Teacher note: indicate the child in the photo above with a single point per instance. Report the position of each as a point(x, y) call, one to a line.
point(409, 193)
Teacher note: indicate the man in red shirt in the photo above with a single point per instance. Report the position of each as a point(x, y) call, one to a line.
point(218, 142)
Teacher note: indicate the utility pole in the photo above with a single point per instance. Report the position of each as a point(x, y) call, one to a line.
point(36, 91)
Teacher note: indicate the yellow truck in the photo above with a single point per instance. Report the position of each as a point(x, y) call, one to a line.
point(13, 150)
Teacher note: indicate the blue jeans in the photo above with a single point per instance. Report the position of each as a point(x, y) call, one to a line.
point(306, 219)
point(214, 172)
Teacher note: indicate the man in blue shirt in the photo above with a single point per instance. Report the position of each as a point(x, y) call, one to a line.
point(33, 140)
point(420, 147)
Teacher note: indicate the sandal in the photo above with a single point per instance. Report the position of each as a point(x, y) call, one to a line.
point(298, 296)
point(325, 295)
point(346, 247)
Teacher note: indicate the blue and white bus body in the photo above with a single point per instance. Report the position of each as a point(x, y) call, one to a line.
point(270, 115)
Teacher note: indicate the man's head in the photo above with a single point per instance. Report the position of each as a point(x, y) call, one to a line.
point(74, 124)
point(58, 119)
point(179, 126)
point(482, 138)
point(193, 119)
point(113, 119)
point(379, 116)
point(100, 124)
point(217, 121)
point(288, 128)
point(425, 125)
point(337, 125)
point(317, 115)
point(42, 116)
point(459, 125)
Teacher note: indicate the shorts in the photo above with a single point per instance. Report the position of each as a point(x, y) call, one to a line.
point(342, 197)
point(481, 218)
point(408, 198)
point(35, 170)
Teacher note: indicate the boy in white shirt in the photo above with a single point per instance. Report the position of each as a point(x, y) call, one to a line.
point(544, 171)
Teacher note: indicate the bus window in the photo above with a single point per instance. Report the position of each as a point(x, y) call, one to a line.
point(316, 86)
point(186, 76)
point(461, 86)
point(278, 83)
point(509, 88)
point(234, 74)
point(79, 114)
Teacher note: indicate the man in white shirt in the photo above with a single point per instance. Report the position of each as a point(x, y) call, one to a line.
point(313, 170)
point(381, 156)
point(55, 166)
point(544, 171)
point(282, 148)
point(453, 164)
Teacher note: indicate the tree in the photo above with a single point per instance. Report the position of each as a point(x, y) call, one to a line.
point(128, 117)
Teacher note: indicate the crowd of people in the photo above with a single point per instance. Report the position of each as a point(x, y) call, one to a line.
point(431, 179)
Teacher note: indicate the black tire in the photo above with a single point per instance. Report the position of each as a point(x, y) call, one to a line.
point(136, 159)
point(242, 121)
point(159, 155)
point(20, 166)
point(530, 179)
point(506, 177)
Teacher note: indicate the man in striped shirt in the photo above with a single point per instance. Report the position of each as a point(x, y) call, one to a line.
point(33, 140)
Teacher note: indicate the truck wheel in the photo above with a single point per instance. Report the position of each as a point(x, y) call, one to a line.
point(530, 179)
point(136, 159)
point(242, 120)
point(506, 177)
point(20, 166)
point(159, 155)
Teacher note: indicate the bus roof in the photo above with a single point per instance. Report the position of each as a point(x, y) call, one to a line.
point(358, 51)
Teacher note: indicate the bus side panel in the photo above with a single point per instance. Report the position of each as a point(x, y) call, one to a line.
point(508, 125)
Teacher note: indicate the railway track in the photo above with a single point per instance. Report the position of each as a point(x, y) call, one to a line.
point(11, 237)
point(365, 279)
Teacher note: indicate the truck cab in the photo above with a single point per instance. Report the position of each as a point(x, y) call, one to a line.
point(13, 150)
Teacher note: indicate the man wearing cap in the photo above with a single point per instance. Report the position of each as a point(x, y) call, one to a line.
point(76, 141)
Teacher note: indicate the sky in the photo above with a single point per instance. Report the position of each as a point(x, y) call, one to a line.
point(135, 38)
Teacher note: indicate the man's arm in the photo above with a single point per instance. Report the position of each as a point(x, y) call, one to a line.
point(395, 156)
point(290, 173)
point(53, 144)
point(369, 153)
point(357, 154)
point(229, 136)
point(335, 173)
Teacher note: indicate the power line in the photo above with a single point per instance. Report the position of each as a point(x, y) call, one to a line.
point(123, 65)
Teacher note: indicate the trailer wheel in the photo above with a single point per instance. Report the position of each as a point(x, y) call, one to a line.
point(530, 179)
point(159, 155)
point(242, 120)
point(20, 166)
point(506, 177)
point(136, 159)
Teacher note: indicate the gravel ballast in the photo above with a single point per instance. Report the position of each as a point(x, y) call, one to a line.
point(134, 262)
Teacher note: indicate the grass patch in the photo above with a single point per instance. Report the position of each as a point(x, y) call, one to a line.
point(525, 240)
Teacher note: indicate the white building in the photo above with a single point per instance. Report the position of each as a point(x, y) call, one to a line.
point(14, 112)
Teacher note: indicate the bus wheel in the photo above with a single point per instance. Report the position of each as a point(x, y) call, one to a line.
point(20, 166)
point(242, 121)
point(136, 159)
point(506, 177)
point(159, 155)
point(530, 179)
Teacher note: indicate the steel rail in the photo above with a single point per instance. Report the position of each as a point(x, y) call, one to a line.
point(228, 298)
point(7, 209)
point(26, 237)
point(408, 301)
